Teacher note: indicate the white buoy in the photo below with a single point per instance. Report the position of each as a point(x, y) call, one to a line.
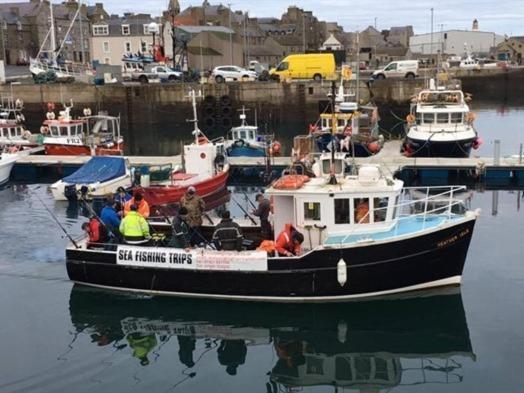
point(342, 275)
point(342, 331)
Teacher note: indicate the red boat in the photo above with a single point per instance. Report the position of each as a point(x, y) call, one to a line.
point(205, 168)
point(86, 136)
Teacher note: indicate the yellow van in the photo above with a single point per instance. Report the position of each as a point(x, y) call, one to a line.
point(315, 66)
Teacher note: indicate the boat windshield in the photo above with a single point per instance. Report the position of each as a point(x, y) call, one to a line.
point(442, 118)
point(456, 117)
point(428, 118)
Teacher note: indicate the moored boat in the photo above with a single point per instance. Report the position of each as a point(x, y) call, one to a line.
point(91, 135)
point(100, 176)
point(13, 133)
point(440, 125)
point(7, 161)
point(362, 239)
point(246, 141)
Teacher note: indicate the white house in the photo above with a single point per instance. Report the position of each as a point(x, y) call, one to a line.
point(331, 43)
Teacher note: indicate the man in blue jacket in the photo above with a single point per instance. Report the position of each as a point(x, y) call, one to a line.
point(110, 217)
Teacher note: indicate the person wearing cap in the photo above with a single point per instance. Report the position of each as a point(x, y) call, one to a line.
point(228, 234)
point(121, 197)
point(180, 230)
point(141, 205)
point(262, 212)
point(195, 208)
point(134, 227)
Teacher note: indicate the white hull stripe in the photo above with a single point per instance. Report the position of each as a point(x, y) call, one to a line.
point(455, 280)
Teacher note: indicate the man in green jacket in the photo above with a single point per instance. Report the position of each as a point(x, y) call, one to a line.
point(134, 228)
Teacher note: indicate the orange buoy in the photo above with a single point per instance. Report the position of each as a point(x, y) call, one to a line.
point(373, 147)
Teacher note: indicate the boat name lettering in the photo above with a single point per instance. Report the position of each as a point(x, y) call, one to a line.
point(74, 141)
point(158, 257)
point(453, 239)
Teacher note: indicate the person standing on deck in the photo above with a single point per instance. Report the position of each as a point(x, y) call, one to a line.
point(140, 203)
point(180, 230)
point(121, 197)
point(195, 208)
point(262, 212)
point(134, 228)
point(109, 217)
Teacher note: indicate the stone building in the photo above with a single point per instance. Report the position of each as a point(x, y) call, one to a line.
point(25, 26)
point(115, 36)
point(511, 49)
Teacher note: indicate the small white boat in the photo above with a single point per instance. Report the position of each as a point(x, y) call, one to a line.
point(7, 161)
point(101, 175)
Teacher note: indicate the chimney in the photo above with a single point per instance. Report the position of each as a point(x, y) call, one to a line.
point(475, 25)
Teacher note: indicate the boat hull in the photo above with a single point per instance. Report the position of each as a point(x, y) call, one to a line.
point(246, 152)
point(81, 150)
point(434, 259)
point(6, 165)
point(427, 148)
point(166, 195)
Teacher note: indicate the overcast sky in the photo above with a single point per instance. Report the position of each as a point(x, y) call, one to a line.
point(500, 16)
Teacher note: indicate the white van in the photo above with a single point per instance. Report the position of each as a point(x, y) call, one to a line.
point(398, 69)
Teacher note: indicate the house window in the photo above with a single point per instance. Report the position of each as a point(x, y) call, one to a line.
point(126, 30)
point(341, 211)
point(127, 47)
point(312, 211)
point(105, 46)
point(107, 60)
point(100, 30)
point(146, 29)
point(143, 46)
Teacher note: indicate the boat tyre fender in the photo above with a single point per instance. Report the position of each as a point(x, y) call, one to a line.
point(239, 143)
point(220, 162)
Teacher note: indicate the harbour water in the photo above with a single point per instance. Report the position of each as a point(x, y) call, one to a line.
point(60, 337)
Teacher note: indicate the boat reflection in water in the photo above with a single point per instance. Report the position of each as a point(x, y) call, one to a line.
point(366, 345)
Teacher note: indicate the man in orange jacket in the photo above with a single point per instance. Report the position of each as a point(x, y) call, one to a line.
point(141, 204)
point(289, 242)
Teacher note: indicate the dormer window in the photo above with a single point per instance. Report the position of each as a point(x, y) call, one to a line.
point(99, 30)
point(126, 30)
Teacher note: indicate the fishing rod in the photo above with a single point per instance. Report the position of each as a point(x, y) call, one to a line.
point(56, 220)
point(244, 211)
point(92, 212)
point(249, 200)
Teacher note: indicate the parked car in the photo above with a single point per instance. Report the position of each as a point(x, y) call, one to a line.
point(166, 73)
point(223, 73)
point(315, 66)
point(398, 69)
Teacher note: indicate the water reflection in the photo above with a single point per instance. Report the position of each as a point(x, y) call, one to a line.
point(368, 345)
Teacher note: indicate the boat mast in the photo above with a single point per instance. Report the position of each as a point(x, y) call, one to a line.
point(357, 95)
point(196, 130)
point(332, 176)
point(52, 32)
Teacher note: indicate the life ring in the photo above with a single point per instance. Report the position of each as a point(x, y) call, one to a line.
point(50, 106)
point(410, 118)
point(26, 134)
point(290, 182)
point(220, 161)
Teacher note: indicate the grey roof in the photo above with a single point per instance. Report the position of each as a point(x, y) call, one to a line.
point(136, 24)
point(199, 29)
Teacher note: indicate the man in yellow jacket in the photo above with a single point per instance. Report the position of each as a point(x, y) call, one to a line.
point(134, 228)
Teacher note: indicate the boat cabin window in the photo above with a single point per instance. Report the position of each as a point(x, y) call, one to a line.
point(342, 214)
point(380, 207)
point(64, 131)
point(18, 131)
point(396, 208)
point(442, 118)
point(428, 118)
point(251, 134)
point(242, 134)
point(53, 130)
point(4, 132)
point(456, 117)
point(312, 211)
point(283, 66)
point(361, 206)
point(341, 122)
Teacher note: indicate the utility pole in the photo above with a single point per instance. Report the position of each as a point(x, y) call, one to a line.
point(304, 32)
point(230, 35)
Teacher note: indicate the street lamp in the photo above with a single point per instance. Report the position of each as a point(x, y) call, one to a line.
point(154, 29)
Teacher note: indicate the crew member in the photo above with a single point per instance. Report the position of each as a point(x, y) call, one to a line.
point(121, 197)
point(362, 212)
point(289, 242)
point(262, 212)
point(134, 227)
point(140, 203)
point(96, 231)
point(195, 208)
point(228, 234)
point(180, 230)
point(109, 216)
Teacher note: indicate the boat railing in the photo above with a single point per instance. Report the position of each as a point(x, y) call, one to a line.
point(79, 72)
point(434, 204)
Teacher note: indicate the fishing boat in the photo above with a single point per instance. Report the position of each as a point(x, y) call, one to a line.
point(246, 141)
point(362, 239)
point(99, 177)
point(367, 345)
point(47, 65)
point(205, 168)
point(440, 124)
point(13, 133)
point(348, 127)
point(90, 135)
point(7, 161)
